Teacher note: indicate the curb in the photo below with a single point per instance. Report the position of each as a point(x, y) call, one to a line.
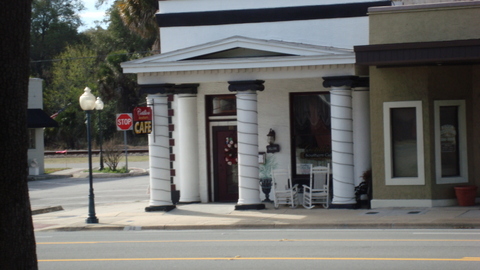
point(46, 210)
point(48, 176)
point(81, 174)
point(108, 175)
point(458, 226)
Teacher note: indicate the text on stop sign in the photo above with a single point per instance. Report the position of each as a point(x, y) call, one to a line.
point(124, 122)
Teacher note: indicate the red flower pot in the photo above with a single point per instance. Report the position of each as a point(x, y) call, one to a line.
point(466, 195)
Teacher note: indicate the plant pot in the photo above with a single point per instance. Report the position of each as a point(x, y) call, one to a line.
point(466, 195)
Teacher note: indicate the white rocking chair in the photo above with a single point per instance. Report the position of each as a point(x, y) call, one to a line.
point(288, 194)
point(318, 190)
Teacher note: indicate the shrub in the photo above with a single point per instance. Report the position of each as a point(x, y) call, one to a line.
point(113, 152)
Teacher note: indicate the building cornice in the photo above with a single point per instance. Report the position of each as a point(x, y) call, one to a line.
point(240, 63)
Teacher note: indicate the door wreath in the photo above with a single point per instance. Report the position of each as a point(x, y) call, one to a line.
point(230, 151)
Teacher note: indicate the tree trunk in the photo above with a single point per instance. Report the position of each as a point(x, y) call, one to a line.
point(17, 240)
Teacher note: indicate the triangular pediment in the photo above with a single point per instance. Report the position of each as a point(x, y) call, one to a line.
point(242, 47)
point(239, 53)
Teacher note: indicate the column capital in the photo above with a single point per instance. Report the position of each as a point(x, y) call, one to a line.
point(186, 88)
point(347, 81)
point(166, 88)
point(361, 82)
point(238, 86)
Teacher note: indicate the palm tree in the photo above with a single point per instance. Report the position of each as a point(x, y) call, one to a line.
point(139, 17)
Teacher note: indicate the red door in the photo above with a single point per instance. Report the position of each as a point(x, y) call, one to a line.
point(225, 171)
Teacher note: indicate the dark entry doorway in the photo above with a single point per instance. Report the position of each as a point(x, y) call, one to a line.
point(224, 165)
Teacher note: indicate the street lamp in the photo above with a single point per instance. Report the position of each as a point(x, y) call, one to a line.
point(87, 103)
point(99, 107)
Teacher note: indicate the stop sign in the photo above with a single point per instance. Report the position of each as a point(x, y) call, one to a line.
point(124, 121)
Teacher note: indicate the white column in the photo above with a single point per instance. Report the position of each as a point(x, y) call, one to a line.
point(158, 144)
point(361, 133)
point(247, 129)
point(188, 148)
point(342, 145)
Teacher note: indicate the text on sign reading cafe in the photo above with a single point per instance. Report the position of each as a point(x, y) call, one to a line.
point(142, 117)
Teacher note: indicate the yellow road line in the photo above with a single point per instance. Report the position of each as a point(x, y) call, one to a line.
point(263, 240)
point(464, 259)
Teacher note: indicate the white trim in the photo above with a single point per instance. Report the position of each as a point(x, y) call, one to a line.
point(239, 63)
point(462, 126)
point(413, 203)
point(235, 42)
point(200, 76)
point(399, 181)
point(295, 55)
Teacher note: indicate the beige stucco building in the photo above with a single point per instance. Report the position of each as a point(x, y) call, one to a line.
point(425, 101)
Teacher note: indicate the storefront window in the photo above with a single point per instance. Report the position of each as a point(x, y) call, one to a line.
point(450, 142)
point(404, 153)
point(404, 142)
point(311, 129)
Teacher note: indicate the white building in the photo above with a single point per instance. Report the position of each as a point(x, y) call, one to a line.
point(37, 121)
point(233, 70)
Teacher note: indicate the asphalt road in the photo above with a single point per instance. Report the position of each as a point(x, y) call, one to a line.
point(260, 249)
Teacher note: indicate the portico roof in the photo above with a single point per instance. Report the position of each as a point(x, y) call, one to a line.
point(239, 52)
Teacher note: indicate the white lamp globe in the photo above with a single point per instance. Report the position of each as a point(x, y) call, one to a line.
point(87, 100)
point(99, 104)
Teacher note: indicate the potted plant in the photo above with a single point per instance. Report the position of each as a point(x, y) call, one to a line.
point(265, 173)
point(363, 192)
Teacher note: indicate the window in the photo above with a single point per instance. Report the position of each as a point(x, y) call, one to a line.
point(311, 129)
point(450, 142)
point(221, 105)
point(31, 138)
point(404, 153)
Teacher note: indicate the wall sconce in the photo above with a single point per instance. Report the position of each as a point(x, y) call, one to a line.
point(272, 147)
point(271, 137)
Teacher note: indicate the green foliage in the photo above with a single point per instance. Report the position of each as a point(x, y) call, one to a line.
point(54, 25)
point(265, 170)
point(118, 37)
point(70, 77)
point(92, 59)
point(105, 120)
point(108, 170)
point(114, 84)
point(139, 16)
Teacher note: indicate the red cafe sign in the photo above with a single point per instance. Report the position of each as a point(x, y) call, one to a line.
point(142, 114)
point(142, 117)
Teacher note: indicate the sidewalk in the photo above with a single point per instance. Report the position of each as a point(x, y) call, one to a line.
point(206, 216)
point(132, 216)
point(83, 173)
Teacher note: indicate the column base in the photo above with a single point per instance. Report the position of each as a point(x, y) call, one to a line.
point(189, 202)
point(342, 206)
point(164, 208)
point(250, 206)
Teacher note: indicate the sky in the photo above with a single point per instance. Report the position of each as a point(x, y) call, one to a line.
point(92, 14)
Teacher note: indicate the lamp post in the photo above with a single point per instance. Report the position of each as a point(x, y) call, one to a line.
point(99, 107)
point(87, 103)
